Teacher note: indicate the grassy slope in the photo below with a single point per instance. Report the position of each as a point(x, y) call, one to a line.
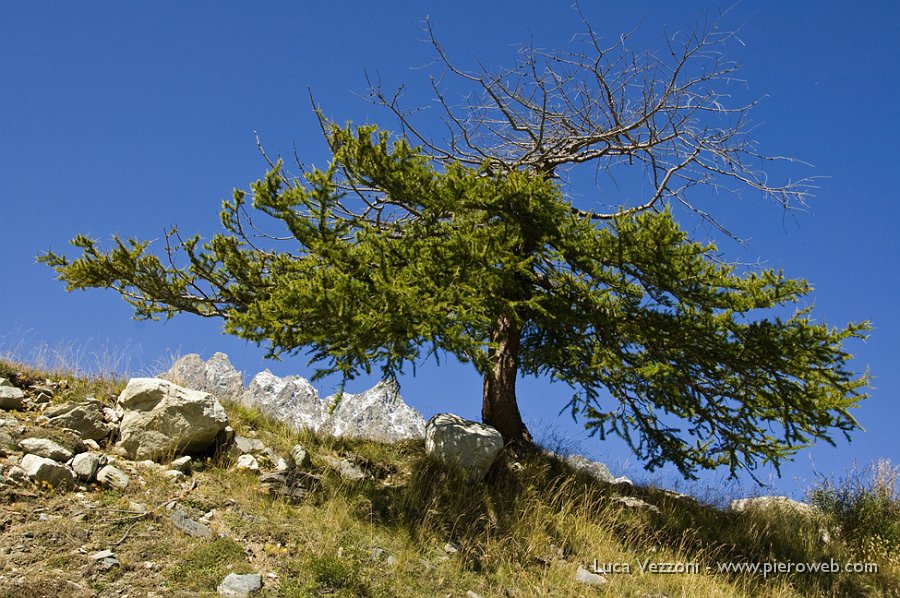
point(523, 531)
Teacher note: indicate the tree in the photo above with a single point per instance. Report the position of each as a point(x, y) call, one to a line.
point(404, 248)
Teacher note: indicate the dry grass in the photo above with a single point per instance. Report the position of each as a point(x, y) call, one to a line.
point(522, 532)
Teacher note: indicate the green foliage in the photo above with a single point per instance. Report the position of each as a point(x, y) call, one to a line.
point(865, 506)
point(208, 563)
point(393, 258)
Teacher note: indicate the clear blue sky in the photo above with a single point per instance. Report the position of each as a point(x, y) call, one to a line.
point(128, 117)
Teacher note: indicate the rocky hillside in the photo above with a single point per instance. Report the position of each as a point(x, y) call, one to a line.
point(195, 485)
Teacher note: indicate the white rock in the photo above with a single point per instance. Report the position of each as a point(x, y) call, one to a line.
point(592, 579)
point(378, 414)
point(456, 441)
point(300, 456)
point(248, 462)
point(44, 447)
point(44, 470)
point(113, 476)
point(161, 419)
point(595, 469)
point(291, 399)
point(239, 586)
point(769, 502)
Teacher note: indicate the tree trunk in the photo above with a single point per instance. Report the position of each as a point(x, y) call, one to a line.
point(499, 408)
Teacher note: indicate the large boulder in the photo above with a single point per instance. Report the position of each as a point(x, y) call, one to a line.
point(462, 443)
point(216, 376)
point(161, 419)
point(378, 414)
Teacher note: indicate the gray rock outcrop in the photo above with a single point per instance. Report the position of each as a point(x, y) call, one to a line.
point(216, 376)
point(291, 399)
point(161, 419)
point(377, 414)
point(463, 443)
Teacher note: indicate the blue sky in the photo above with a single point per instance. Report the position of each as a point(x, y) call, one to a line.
point(129, 117)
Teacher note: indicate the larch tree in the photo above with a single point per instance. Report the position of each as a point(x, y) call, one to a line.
point(407, 247)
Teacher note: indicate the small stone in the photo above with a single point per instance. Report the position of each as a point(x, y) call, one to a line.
point(300, 456)
point(451, 548)
point(248, 462)
point(44, 447)
point(86, 465)
point(189, 526)
point(251, 446)
point(635, 503)
point(348, 470)
point(391, 561)
point(239, 586)
point(592, 579)
point(48, 471)
point(91, 445)
point(282, 464)
point(103, 554)
point(182, 464)
point(174, 475)
point(17, 475)
point(377, 554)
point(86, 419)
point(113, 476)
point(471, 594)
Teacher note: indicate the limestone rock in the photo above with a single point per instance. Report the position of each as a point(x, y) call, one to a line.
point(44, 470)
point(161, 419)
point(189, 526)
point(378, 414)
point(86, 465)
point(216, 376)
point(113, 476)
point(595, 469)
point(463, 443)
point(239, 586)
point(591, 579)
point(44, 447)
point(182, 464)
point(84, 418)
point(770, 502)
point(348, 470)
point(300, 456)
point(632, 502)
point(11, 397)
point(248, 462)
point(291, 399)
